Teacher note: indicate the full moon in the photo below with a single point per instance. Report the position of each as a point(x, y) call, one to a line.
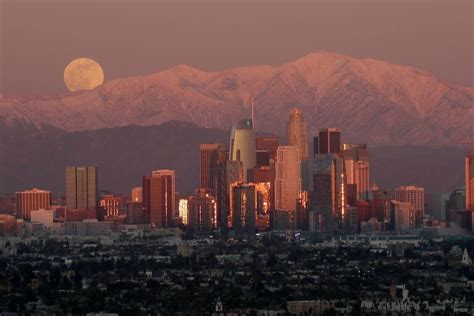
point(83, 74)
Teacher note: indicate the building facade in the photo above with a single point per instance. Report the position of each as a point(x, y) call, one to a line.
point(243, 145)
point(81, 187)
point(416, 197)
point(159, 198)
point(31, 200)
point(244, 208)
point(287, 178)
point(297, 132)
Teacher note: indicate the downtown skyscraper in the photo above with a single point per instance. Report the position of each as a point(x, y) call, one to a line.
point(211, 156)
point(81, 187)
point(243, 145)
point(297, 132)
point(328, 141)
point(297, 135)
point(287, 178)
point(356, 159)
point(159, 198)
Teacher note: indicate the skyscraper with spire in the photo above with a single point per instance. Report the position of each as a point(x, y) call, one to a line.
point(242, 145)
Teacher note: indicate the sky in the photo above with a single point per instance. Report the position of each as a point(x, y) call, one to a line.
point(38, 38)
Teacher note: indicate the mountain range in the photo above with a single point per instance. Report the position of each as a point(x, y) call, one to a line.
point(373, 101)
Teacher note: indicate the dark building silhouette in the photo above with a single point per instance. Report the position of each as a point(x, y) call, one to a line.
point(328, 141)
point(266, 147)
point(211, 156)
point(244, 208)
point(329, 196)
point(229, 173)
point(202, 212)
point(135, 214)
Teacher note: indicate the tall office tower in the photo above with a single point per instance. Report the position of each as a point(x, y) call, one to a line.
point(415, 196)
point(356, 159)
point(32, 200)
point(244, 208)
point(137, 194)
point(81, 187)
point(297, 132)
point(243, 145)
point(211, 156)
point(263, 204)
point(329, 195)
point(469, 180)
point(266, 150)
point(287, 178)
point(202, 211)
point(328, 141)
point(297, 135)
point(159, 198)
point(110, 204)
point(402, 216)
point(229, 173)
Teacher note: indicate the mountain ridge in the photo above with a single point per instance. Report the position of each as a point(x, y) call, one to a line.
point(371, 100)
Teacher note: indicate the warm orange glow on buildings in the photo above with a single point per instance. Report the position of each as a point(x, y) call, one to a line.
point(32, 200)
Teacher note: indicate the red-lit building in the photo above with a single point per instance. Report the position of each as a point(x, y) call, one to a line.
point(32, 200)
point(159, 198)
point(78, 215)
point(111, 204)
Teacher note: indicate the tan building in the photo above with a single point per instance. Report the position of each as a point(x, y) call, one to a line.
point(32, 200)
point(287, 178)
point(81, 187)
point(416, 197)
point(297, 132)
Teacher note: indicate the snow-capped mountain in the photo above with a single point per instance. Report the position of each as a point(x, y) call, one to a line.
point(372, 101)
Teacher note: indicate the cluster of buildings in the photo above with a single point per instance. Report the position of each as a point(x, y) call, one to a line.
point(253, 184)
point(272, 275)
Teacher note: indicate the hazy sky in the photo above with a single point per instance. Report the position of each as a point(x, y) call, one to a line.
point(38, 38)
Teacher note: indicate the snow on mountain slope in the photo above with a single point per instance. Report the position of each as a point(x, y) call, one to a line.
point(372, 101)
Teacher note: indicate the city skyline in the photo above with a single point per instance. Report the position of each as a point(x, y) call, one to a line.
point(224, 158)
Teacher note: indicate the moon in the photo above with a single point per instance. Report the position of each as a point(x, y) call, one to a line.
point(83, 74)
